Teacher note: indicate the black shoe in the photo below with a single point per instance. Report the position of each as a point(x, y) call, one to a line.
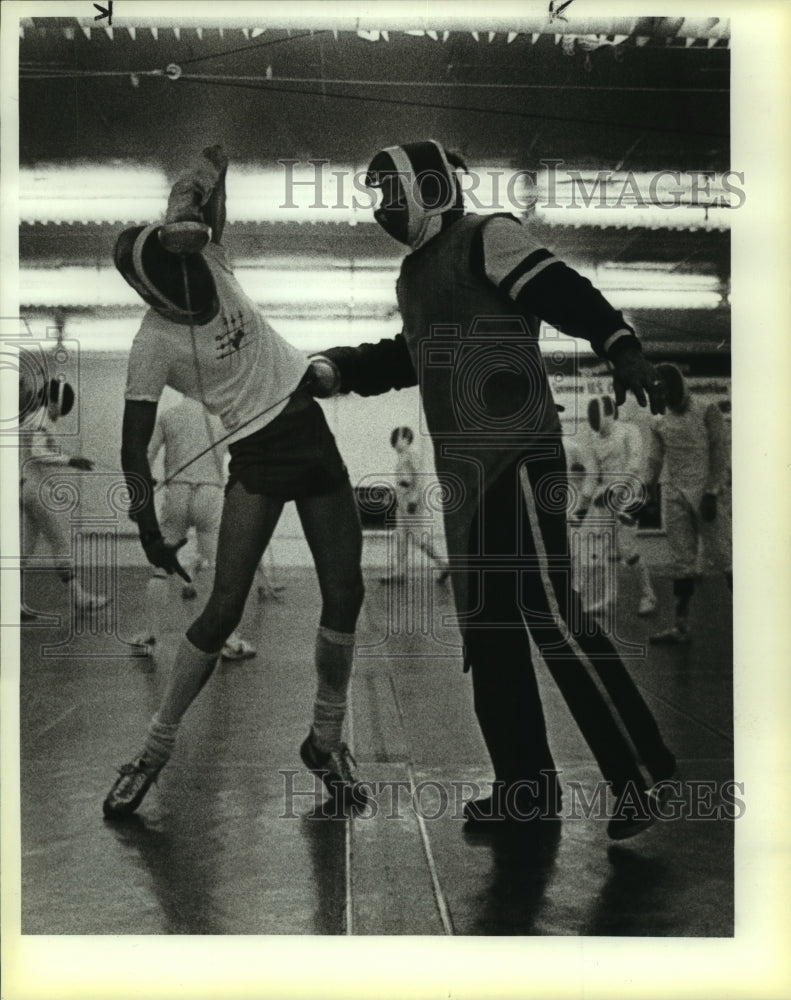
point(660, 792)
point(335, 770)
point(632, 815)
point(133, 781)
point(676, 636)
point(501, 810)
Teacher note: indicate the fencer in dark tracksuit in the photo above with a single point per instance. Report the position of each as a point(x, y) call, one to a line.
point(470, 294)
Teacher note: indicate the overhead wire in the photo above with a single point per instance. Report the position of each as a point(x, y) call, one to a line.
point(265, 85)
point(258, 45)
point(503, 112)
point(51, 72)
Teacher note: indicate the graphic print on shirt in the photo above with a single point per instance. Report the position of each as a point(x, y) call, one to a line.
point(232, 339)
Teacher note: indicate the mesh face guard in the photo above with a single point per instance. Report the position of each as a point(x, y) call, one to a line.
point(60, 397)
point(419, 186)
point(601, 413)
point(675, 386)
point(156, 276)
point(400, 434)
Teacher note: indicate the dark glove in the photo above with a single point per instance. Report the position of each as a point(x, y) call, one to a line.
point(708, 507)
point(322, 379)
point(632, 372)
point(160, 554)
point(651, 510)
point(80, 463)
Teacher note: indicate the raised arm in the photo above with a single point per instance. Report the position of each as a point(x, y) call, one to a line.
point(199, 191)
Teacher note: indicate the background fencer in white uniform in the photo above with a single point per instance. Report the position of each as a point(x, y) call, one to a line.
point(410, 508)
point(690, 443)
point(39, 456)
point(613, 491)
point(192, 497)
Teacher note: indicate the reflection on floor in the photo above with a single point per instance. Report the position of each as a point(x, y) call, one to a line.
point(233, 838)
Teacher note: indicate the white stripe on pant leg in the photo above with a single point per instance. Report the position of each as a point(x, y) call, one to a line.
point(554, 607)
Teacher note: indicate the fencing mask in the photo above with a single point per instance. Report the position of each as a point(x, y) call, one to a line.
point(156, 275)
point(420, 191)
point(601, 414)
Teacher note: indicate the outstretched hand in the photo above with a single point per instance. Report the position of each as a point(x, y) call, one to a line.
point(160, 554)
point(322, 379)
point(634, 373)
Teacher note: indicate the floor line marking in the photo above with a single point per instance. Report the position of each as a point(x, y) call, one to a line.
point(349, 902)
point(687, 715)
point(55, 722)
point(439, 895)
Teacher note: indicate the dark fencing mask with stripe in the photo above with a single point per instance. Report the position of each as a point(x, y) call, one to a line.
point(601, 414)
point(157, 277)
point(400, 434)
point(676, 392)
point(59, 398)
point(56, 395)
point(421, 193)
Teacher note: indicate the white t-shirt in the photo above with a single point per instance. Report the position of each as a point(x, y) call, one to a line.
point(619, 453)
point(187, 431)
point(407, 491)
point(237, 365)
point(693, 445)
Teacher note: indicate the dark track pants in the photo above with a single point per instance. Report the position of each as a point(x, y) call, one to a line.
point(521, 579)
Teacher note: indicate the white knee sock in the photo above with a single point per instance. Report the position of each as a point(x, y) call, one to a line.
point(159, 744)
point(334, 657)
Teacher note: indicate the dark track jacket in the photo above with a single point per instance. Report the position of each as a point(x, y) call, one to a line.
point(471, 300)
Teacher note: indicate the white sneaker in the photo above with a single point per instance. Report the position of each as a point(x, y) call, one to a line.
point(145, 642)
point(676, 636)
point(660, 792)
point(91, 602)
point(647, 605)
point(237, 648)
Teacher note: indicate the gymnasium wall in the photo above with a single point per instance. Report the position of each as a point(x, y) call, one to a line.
point(361, 425)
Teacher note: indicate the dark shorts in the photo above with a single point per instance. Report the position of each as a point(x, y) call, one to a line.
point(294, 456)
